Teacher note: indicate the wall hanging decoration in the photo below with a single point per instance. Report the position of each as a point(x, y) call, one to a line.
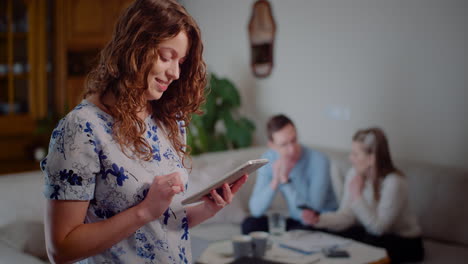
point(262, 30)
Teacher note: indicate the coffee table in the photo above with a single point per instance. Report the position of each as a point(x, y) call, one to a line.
point(220, 252)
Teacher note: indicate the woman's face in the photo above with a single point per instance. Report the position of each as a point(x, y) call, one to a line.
point(360, 160)
point(166, 68)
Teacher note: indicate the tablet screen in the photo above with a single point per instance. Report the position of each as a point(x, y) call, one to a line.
point(229, 178)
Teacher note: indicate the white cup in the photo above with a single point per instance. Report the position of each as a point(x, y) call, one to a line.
point(259, 243)
point(242, 245)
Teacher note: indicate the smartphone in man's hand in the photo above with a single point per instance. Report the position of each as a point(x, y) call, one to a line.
point(304, 207)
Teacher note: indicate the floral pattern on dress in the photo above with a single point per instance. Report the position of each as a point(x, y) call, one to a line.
point(85, 163)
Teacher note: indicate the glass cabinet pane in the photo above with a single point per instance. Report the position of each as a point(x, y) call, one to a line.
point(20, 104)
point(4, 107)
point(20, 17)
point(3, 59)
point(3, 17)
point(20, 58)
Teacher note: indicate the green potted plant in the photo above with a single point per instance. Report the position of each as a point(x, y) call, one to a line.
point(220, 127)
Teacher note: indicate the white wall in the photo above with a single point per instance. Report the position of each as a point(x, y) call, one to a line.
point(397, 64)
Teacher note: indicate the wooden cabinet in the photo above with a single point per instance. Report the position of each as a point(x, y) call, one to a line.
point(24, 72)
point(23, 64)
point(35, 83)
point(83, 29)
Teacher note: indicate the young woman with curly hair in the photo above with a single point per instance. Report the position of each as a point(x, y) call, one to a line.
point(115, 174)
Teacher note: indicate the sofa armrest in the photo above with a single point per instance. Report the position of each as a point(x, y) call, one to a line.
point(11, 255)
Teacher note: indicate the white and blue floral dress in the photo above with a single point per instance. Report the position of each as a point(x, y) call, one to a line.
point(85, 163)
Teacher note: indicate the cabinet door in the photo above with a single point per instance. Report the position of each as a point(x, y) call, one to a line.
point(87, 23)
point(22, 64)
point(91, 22)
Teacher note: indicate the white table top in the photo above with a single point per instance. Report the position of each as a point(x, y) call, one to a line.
point(221, 251)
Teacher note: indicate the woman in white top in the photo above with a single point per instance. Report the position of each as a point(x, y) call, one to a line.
point(375, 206)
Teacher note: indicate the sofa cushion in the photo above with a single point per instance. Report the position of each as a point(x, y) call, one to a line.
point(21, 197)
point(25, 236)
point(437, 196)
point(437, 253)
point(9, 256)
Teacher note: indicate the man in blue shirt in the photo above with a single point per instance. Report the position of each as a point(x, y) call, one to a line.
point(301, 174)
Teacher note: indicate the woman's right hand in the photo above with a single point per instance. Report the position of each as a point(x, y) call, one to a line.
point(160, 195)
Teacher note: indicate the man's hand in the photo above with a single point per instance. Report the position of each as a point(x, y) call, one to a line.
point(281, 170)
point(310, 217)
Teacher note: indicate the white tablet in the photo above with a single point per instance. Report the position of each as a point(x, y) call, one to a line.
point(229, 178)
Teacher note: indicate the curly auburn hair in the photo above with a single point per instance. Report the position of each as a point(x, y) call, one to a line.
point(124, 65)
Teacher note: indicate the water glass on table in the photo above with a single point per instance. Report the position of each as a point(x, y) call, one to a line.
point(276, 224)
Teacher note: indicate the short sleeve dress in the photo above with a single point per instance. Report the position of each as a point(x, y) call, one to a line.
point(85, 163)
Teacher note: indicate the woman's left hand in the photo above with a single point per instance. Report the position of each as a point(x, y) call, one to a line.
point(216, 202)
point(355, 186)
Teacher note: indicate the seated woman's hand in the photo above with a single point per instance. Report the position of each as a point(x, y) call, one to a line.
point(355, 186)
point(218, 200)
point(310, 217)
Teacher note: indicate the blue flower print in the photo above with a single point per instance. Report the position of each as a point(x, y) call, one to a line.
point(108, 127)
point(79, 106)
point(56, 133)
point(102, 170)
point(141, 237)
point(102, 213)
point(144, 253)
point(181, 127)
point(166, 216)
point(59, 142)
point(88, 128)
point(152, 134)
point(106, 124)
point(43, 164)
point(116, 252)
point(169, 154)
point(141, 193)
point(182, 257)
point(144, 248)
point(71, 177)
point(149, 247)
point(102, 117)
point(162, 245)
point(155, 152)
point(55, 194)
point(185, 227)
point(119, 173)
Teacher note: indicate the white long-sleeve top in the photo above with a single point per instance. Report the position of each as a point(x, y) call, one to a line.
point(391, 214)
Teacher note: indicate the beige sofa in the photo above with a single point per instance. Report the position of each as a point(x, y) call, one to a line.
point(437, 196)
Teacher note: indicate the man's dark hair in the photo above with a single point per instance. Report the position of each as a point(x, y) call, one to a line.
point(277, 123)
